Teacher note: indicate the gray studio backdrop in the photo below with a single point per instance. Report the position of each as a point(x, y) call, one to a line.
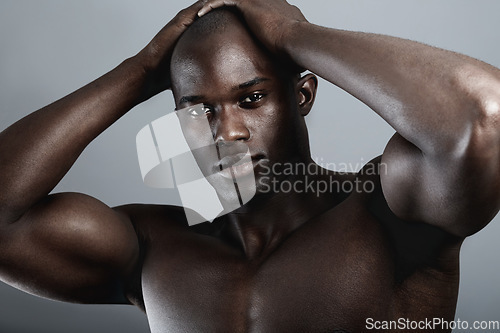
point(50, 48)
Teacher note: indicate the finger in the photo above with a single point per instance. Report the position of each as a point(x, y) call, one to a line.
point(192, 9)
point(187, 16)
point(212, 4)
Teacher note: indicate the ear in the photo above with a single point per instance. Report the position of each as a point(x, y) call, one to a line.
point(306, 93)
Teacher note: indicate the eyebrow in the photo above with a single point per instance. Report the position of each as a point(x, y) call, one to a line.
point(251, 83)
point(244, 85)
point(189, 99)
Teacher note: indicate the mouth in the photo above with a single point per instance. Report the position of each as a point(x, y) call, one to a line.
point(237, 166)
point(231, 160)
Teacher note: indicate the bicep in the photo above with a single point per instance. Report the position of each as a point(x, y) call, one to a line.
point(456, 193)
point(69, 247)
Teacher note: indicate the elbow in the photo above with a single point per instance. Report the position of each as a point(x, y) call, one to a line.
point(480, 136)
point(481, 132)
point(489, 113)
point(484, 137)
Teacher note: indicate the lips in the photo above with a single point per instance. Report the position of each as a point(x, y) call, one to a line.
point(232, 160)
point(235, 166)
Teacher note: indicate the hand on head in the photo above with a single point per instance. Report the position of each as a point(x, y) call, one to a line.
point(269, 20)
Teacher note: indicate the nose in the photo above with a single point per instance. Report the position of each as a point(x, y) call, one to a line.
point(231, 125)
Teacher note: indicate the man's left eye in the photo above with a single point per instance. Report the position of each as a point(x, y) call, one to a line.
point(253, 98)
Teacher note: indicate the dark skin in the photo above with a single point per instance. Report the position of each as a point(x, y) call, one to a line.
point(286, 261)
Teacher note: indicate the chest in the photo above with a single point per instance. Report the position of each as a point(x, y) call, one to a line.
point(310, 282)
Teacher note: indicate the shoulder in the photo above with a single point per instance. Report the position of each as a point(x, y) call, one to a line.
point(363, 183)
point(153, 219)
point(416, 245)
point(149, 216)
point(154, 225)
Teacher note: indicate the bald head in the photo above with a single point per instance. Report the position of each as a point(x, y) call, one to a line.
point(213, 43)
point(214, 24)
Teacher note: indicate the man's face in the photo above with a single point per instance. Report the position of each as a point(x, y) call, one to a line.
point(247, 103)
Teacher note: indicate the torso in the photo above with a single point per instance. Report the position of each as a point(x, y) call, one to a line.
point(353, 262)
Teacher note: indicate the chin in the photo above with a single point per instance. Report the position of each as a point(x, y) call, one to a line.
point(232, 193)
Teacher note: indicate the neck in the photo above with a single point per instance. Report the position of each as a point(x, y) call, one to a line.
point(261, 225)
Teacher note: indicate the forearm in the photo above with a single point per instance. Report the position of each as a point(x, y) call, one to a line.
point(432, 97)
point(38, 150)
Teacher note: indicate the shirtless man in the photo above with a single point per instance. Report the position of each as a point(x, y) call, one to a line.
point(284, 262)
